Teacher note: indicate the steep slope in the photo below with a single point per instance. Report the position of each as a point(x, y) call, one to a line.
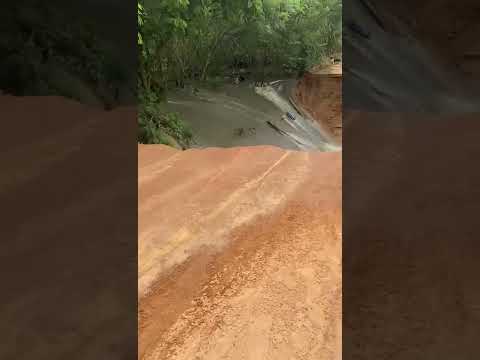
point(239, 254)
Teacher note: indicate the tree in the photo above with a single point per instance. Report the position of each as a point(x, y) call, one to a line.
point(194, 40)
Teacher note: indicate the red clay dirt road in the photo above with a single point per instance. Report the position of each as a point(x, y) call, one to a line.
point(239, 254)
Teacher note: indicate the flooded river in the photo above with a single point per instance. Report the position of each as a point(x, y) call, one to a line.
point(245, 115)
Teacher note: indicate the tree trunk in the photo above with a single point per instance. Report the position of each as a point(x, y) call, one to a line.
point(205, 67)
point(213, 49)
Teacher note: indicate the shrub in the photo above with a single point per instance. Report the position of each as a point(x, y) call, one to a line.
point(156, 125)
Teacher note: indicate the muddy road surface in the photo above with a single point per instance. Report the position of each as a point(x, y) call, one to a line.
point(239, 254)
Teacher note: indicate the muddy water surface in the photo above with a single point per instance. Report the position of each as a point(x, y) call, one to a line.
point(242, 115)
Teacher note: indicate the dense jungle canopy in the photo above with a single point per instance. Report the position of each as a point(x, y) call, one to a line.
point(196, 39)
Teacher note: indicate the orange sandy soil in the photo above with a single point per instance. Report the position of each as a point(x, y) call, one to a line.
point(239, 254)
point(319, 94)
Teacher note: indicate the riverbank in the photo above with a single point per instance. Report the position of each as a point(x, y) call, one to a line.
point(318, 95)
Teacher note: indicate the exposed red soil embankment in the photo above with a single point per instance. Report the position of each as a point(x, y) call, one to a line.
point(319, 94)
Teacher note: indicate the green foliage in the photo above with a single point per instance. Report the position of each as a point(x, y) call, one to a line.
point(50, 51)
point(156, 126)
point(194, 39)
point(141, 20)
point(200, 40)
point(44, 46)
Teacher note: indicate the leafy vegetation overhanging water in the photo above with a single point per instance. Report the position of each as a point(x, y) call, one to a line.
point(209, 42)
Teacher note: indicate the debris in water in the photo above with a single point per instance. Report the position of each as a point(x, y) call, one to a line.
point(239, 131)
point(243, 131)
point(275, 127)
